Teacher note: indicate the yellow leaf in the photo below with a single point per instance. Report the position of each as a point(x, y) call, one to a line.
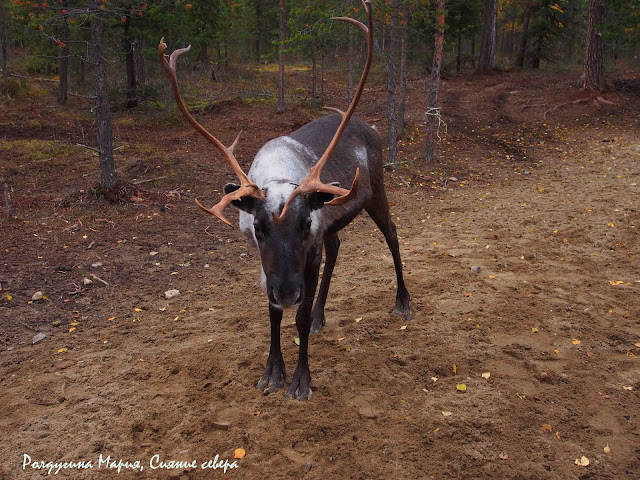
point(72, 329)
point(403, 327)
point(521, 396)
point(492, 276)
point(557, 352)
point(461, 387)
point(610, 224)
point(486, 374)
point(435, 379)
point(455, 369)
point(547, 428)
point(583, 461)
point(558, 435)
point(617, 282)
point(358, 320)
point(73, 324)
point(62, 350)
point(111, 318)
point(534, 330)
point(239, 453)
point(576, 342)
point(137, 309)
point(607, 449)
point(255, 413)
point(628, 388)
point(296, 340)
point(446, 414)
point(9, 297)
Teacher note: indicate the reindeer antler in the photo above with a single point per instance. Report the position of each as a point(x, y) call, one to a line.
point(313, 183)
point(247, 187)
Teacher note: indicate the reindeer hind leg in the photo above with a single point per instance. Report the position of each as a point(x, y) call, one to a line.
point(378, 210)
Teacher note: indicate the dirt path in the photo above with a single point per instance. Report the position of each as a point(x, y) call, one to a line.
point(551, 318)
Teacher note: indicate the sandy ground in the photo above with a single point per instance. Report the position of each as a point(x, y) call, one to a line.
point(516, 371)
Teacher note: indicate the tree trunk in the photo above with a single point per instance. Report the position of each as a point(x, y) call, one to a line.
point(350, 60)
point(63, 86)
point(108, 175)
point(402, 91)
point(459, 52)
point(130, 67)
point(139, 60)
point(391, 86)
point(528, 5)
point(537, 56)
point(314, 73)
point(487, 61)
point(281, 59)
point(3, 55)
point(592, 72)
point(433, 114)
point(3, 41)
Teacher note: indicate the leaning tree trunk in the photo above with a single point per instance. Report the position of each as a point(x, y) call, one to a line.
point(63, 86)
point(592, 72)
point(391, 87)
point(528, 5)
point(433, 113)
point(281, 59)
point(487, 61)
point(108, 175)
point(130, 67)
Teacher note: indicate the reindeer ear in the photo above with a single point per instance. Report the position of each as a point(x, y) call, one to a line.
point(247, 204)
point(316, 200)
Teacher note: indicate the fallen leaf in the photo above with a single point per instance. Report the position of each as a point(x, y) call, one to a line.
point(521, 396)
point(72, 329)
point(607, 449)
point(617, 282)
point(137, 309)
point(111, 318)
point(534, 330)
point(403, 327)
point(435, 379)
point(358, 320)
point(446, 414)
point(503, 456)
point(255, 413)
point(547, 428)
point(557, 352)
point(468, 295)
point(74, 324)
point(628, 388)
point(239, 453)
point(610, 224)
point(583, 461)
point(297, 341)
point(461, 387)
point(8, 297)
point(576, 342)
point(345, 348)
point(62, 350)
point(455, 369)
point(558, 435)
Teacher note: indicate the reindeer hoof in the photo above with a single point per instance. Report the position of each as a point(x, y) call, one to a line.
point(273, 377)
point(403, 307)
point(317, 323)
point(300, 388)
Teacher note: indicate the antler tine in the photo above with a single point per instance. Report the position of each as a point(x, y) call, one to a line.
point(247, 187)
point(313, 183)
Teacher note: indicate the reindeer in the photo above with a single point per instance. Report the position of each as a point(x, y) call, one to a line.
point(288, 212)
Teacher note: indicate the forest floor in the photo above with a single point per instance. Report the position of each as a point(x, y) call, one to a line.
point(515, 372)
